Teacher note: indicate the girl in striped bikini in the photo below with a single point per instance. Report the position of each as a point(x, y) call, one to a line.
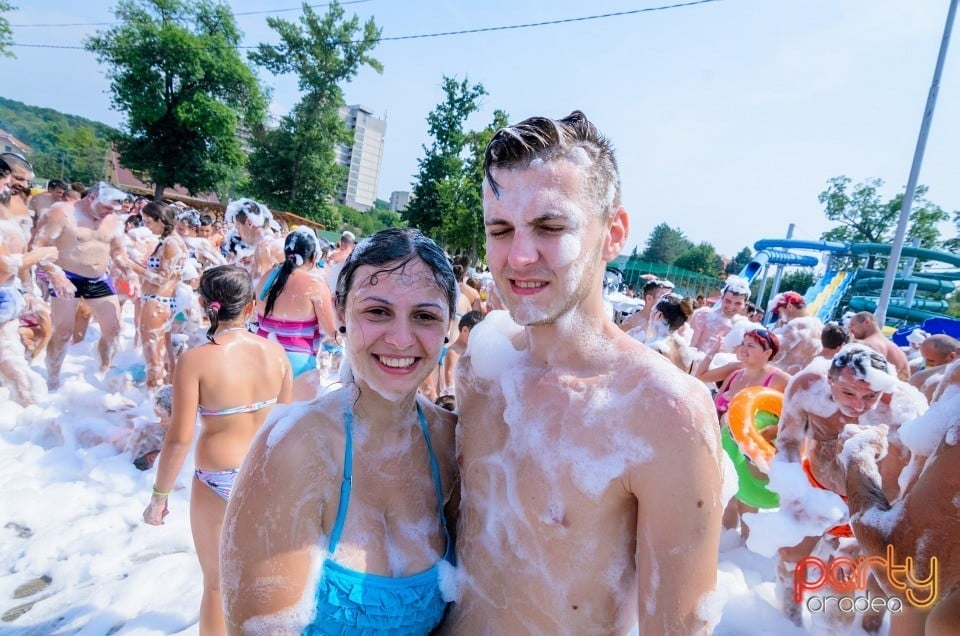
point(232, 382)
point(294, 309)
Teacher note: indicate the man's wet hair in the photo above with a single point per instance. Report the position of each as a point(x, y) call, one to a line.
point(206, 220)
point(58, 184)
point(834, 335)
point(653, 284)
point(16, 161)
point(391, 250)
point(860, 358)
point(470, 319)
point(4, 168)
point(543, 140)
point(943, 344)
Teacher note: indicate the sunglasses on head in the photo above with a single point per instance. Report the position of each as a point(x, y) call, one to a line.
point(765, 335)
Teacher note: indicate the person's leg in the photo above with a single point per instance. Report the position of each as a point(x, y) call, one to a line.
point(449, 368)
point(106, 310)
point(81, 322)
point(63, 311)
point(206, 518)
point(24, 383)
point(154, 317)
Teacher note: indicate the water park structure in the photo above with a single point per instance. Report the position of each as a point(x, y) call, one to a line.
point(925, 280)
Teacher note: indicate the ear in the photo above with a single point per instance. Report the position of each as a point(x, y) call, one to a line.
point(339, 320)
point(618, 228)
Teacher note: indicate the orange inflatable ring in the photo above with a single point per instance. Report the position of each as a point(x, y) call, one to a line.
point(741, 416)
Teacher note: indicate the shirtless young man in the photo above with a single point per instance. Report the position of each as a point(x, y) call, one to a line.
point(711, 325)
point(252, 221)
point(43, 201)
point(924, 522)
point(638, 322)
point(938, 351)
point(571, 432)
point(20, 176)
point(865, 328)
point(855, 387)
point(88, 234)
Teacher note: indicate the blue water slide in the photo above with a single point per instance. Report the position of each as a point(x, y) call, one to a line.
point(791, 244)
point(775, 256)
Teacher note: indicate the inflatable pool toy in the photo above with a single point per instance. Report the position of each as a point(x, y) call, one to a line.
point(743, 426)
point(752, 410)
point(752, 489)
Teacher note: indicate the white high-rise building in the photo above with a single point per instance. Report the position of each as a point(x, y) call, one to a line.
point(363, 158)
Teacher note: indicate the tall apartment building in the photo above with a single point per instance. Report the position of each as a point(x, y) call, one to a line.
point(363, 158)
point(399, 200)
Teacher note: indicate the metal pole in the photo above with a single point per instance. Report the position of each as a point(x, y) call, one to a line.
point(776, 280)
point(908, 271)
point(897, 248)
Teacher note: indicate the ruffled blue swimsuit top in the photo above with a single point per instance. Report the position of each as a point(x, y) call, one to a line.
point(352, 602)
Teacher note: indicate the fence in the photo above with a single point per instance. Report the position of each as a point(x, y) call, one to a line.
point(687, 283)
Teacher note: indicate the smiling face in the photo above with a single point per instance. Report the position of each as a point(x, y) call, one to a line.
point(395, 324)
point(751, 353)
point(545, 241)
point(732, 304)
point(853, 395)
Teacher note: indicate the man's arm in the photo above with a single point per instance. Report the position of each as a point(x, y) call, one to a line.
point(793, 419)
point(678, 541)
point(47, 234)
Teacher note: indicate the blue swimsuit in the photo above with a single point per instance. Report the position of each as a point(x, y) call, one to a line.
point(352, 602)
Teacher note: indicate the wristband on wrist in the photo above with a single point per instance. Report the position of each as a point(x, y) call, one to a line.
point(160, 493)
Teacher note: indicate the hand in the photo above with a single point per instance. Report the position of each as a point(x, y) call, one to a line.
point(134, 283)
point(863, 444)
point(48, 254)
point(156, 510)
point(62, 286)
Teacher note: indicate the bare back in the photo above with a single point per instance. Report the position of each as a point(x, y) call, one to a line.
point(258, 370)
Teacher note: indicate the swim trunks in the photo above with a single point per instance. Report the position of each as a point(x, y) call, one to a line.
point(89, 288)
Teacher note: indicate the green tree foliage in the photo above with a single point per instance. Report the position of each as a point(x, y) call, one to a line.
point(864, 217)
point(294, 166)
point(176, 74)
point(461, 227)
point(665, 244)
point(439, 182)
point(702, 259)
point(798, 280)
point(739, 261)
point(62, 146)
point(953, 245)
point(367, 223)
point(6, 34)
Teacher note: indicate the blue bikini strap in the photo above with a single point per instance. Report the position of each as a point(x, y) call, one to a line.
point(435, 469)
point(271, 278)
point(348, 478)
point(345, 484)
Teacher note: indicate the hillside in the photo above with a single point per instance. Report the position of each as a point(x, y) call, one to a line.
point(64, 146)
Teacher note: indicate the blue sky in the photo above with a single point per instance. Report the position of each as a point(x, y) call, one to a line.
point(728, 117)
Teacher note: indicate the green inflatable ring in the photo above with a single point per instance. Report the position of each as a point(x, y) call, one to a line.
point(752, 491)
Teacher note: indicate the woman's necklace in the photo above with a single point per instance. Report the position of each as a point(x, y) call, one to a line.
point(228, 330)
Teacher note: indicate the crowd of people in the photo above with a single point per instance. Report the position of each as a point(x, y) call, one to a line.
point(377, 407)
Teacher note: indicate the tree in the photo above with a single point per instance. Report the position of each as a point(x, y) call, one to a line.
point(702, 258)
point(461, 225)
point(739, 261)
point(953, 245)
point(6, 34)
point(368, 222)
point(442, 162)
point(295, 166)
point(176, 74)
point(865, 218)
point(798, 280)
point(665, 244)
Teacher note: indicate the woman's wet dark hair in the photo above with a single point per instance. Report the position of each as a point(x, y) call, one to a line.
point(391, 250)
point(134, 220)
point(167, 215)
point(675, 310)
point(298, 248)
point(226, 290)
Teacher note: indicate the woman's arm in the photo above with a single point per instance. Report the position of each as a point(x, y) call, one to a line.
point(176, 444)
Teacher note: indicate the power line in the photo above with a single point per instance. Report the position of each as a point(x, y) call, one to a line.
point(79, 24)
point(528, 25)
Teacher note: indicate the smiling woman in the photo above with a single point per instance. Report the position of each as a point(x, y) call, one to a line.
point(373, 463)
